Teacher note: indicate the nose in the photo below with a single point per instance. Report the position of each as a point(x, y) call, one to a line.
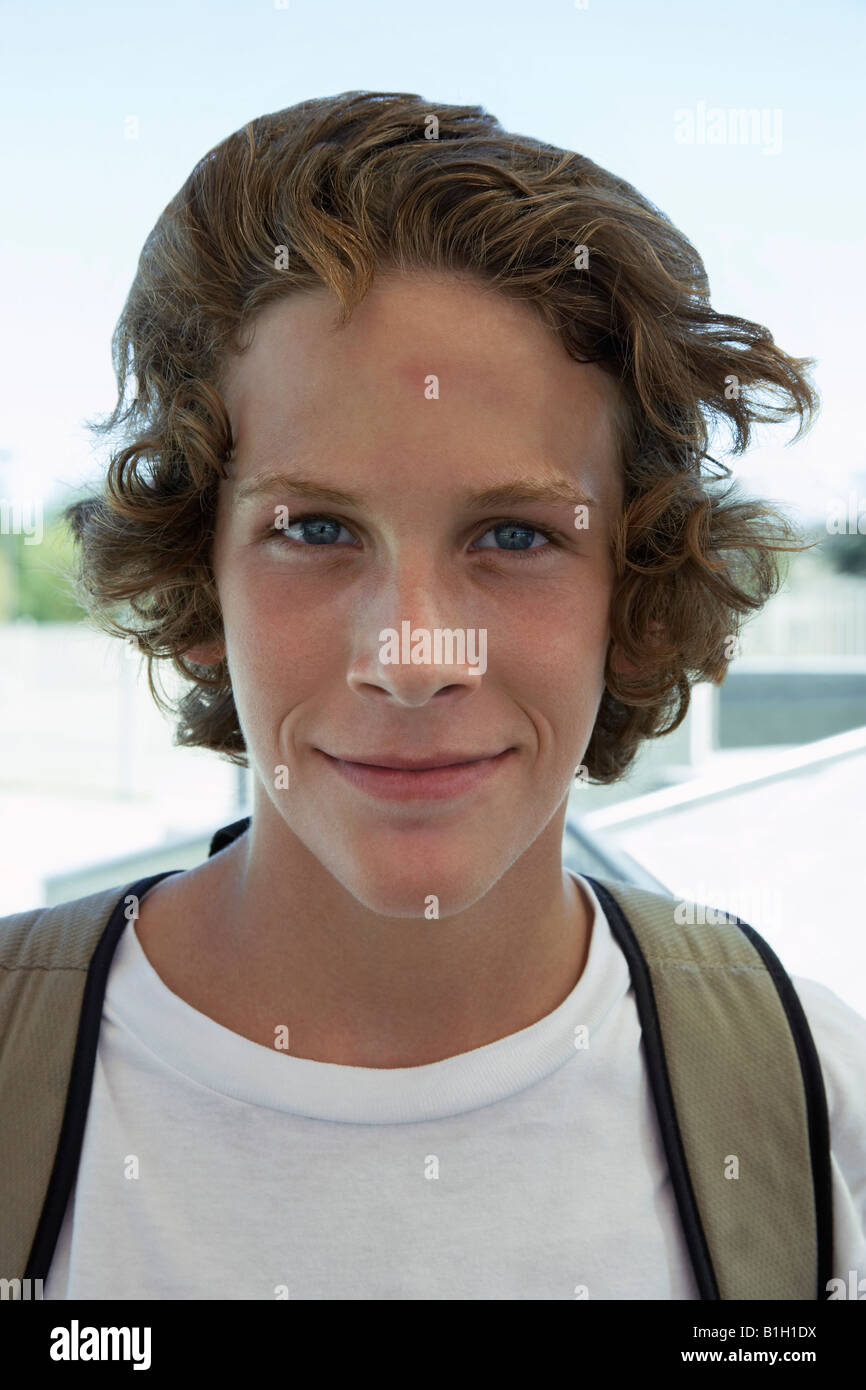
point(409, 654)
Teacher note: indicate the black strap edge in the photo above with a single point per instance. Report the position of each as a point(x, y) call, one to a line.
point(660, 1083)
point(226, 834)
point(68, 1153)
point(817, 1116)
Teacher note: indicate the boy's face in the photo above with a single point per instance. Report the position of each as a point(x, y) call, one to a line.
point(437, 390)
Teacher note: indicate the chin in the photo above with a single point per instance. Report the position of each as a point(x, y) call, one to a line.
point(400, 884)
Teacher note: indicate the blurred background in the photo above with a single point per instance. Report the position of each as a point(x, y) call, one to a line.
point(744, 125)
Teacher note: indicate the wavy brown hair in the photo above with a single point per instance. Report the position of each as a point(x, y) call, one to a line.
point(336, 190)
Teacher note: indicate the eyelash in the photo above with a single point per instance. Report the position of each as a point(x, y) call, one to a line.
point(554, 537)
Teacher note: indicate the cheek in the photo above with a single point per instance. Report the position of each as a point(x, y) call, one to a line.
point(276, 645)
point(562, 642)
point(566, 675)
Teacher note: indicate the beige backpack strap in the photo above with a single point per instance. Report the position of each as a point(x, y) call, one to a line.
point(739, 1095)
point(53, 969)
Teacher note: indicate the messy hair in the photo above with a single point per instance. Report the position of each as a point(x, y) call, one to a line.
point(334, 191)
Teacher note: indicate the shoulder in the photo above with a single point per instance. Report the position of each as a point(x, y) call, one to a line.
point(839, 1033)
point(61, 936)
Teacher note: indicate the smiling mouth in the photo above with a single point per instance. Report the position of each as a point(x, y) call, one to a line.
point(438, 760)
point(441, 777)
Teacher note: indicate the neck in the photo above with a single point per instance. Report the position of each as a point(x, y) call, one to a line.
point(355, 987)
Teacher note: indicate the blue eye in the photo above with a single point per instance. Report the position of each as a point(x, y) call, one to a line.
point(514, 534)
point(315, 529)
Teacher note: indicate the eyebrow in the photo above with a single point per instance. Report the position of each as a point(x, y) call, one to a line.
point(554, 490)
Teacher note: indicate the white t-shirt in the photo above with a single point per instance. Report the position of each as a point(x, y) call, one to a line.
point(214, 1167)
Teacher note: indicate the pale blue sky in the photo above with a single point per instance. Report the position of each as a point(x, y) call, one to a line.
point(780, 231)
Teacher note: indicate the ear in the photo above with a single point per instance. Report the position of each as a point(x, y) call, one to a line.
point(621, 666)
point(208, 654)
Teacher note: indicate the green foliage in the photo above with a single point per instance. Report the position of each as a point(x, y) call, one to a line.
point(36, 574)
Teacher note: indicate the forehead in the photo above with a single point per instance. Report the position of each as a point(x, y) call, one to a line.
point(428, 362)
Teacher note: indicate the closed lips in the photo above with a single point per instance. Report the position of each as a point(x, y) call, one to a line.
point(419, 765)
